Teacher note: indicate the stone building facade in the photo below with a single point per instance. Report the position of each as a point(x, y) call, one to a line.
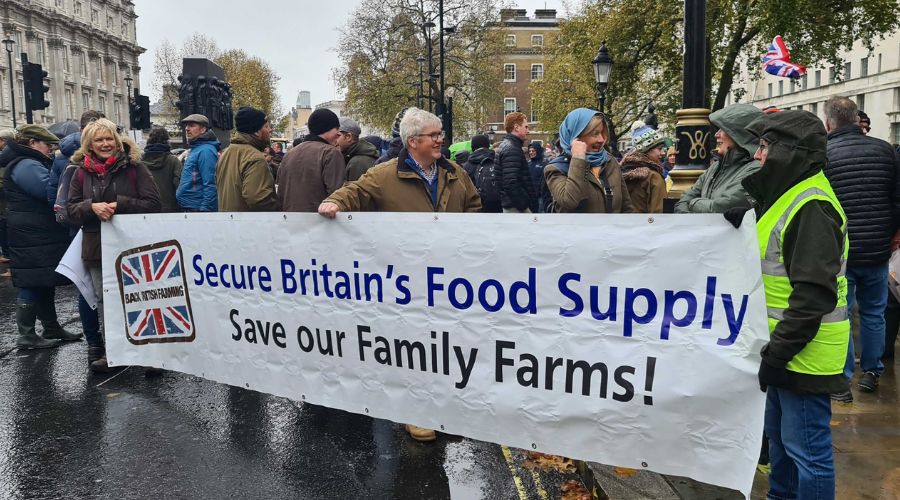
point(87, 47)
point(523, 61)
point(870, 78)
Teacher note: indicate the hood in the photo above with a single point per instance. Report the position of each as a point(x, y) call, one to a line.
point(155, 155)
point(207, 138)
point(374, 140)
point(540, 151)
point(15, 150)
point(635, 161)
point(796, 151)
point(734, 120)
point(362, 148)
point(479, 155)
point(395, 146)
point(69, 144)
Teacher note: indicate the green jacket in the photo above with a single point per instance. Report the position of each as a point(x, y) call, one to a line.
point(360, 157)
point(243, 181)
point(812, 245)
point(719, 188)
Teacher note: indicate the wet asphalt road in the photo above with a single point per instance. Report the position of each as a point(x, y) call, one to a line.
point(65, 433)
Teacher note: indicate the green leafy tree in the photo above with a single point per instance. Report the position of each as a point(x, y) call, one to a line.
point(253, 81)
point(379, 47)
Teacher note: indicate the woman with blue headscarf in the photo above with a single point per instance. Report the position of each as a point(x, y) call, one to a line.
point(586, 178)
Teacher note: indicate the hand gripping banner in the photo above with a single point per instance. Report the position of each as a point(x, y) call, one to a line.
point(622, 339)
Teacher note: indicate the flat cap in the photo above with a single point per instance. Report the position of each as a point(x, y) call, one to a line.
point(196, 118)
point(38, 133)
point(350, 126)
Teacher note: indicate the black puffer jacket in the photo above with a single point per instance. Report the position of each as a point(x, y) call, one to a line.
point(36, 241)
point(517, 189)
point(865, 174)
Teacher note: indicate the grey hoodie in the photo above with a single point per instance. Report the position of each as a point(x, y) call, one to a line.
point(719, 188)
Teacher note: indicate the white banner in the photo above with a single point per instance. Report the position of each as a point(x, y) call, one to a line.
point(622, 339)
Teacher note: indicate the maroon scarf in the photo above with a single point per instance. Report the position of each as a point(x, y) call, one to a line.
point(97, 166)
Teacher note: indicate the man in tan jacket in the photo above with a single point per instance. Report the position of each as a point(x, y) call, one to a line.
point(419, 180)
point(243, 181)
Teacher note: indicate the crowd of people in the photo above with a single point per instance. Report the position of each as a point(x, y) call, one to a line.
point(826, 196)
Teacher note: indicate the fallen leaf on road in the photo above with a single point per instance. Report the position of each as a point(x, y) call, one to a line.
point(574, 490)
point(112, 395)
point(835, 423)
point(543, 461)
point(625, 471)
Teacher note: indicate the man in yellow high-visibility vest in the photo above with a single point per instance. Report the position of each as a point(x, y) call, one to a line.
point(803, 249)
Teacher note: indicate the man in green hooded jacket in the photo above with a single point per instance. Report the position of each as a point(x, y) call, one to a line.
point(803, 250)
point(719, 188)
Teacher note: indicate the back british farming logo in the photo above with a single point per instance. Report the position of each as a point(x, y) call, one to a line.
point(155, 294)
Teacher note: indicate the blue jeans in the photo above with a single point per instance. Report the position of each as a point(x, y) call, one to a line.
point(799, 432)
point(867, 285)
point(90, 323)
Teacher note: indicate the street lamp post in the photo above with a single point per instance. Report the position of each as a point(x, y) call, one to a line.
point(602, 66)
point(128, 81)
point(429, 49)
point(420, 94)
point(8, 43)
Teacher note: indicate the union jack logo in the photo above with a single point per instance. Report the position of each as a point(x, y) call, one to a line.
point(155, 295)
point(777, 61)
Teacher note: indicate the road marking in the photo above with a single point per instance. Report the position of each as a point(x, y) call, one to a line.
point(512, 470)
point(114, 376)
point(540, 487)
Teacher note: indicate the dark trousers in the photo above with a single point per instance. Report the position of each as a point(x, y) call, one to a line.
point(90, 323)
point(4, 240)
point(891, 325)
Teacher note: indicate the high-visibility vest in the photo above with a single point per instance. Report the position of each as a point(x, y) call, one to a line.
point(826, 353)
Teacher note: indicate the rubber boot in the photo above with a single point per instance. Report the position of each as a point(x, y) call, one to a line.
point(26, 315)
point(46, 312)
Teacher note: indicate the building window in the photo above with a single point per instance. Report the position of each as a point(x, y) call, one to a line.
point(814, 108)
point(879, 63)
point(70, 104)
point(861, 102)
point(41, 54)
point(115, 72)
point(864, 67)
point(124, 29)
point(770, 90)
point(118, 106)
point(510, 40)
point(60, 4)
point(109, 22)
point(3, 87)
point(847, 71)
point(804, 82)
point(101, 104)
point(509, 72)
point(20, 99)
point(537, 71)
point(533, 114)
point(818, 78)
point(78, 9)
point(895, 133)
point(537, 40)
point(832, 75)
point(509, 105)
point(95, 16)
point(84, 64)
point(85, 101)
point(780, 87)
point(65, 58)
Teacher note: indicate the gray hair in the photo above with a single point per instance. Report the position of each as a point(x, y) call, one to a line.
point(414, 122)
point(8, 134)
point(840, 112)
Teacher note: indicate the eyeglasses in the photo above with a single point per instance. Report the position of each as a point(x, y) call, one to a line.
point(435, 136)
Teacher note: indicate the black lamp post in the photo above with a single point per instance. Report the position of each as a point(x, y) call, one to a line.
point(420, 94)
point(602, 66)
point(8, 43)
point(128, 81)
point(430, 51)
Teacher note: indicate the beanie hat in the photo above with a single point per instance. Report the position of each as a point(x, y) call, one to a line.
point(644, 138)
point(480, 141)
point(395, 130)
point(322, 120)
point(249, 120)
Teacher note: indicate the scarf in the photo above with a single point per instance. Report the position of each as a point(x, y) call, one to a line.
point(637, 159)
point(252, 141)
point(97, 166)
point(573, 126)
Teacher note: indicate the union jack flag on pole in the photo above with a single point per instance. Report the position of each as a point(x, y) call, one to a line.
point(777, 61)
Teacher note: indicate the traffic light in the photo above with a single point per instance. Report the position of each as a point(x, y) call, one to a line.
point(35, 88)
point(139, 114)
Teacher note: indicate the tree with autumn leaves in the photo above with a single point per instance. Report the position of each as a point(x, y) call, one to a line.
point(645, 38)
point(253, 81)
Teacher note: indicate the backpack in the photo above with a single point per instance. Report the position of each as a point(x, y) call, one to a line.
point(73, 173)
point(487, 183)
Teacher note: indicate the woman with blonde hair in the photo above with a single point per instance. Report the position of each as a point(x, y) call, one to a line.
point(109, 180)
point(586, 178)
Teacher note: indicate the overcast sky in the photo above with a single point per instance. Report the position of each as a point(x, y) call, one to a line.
point(297, 37)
